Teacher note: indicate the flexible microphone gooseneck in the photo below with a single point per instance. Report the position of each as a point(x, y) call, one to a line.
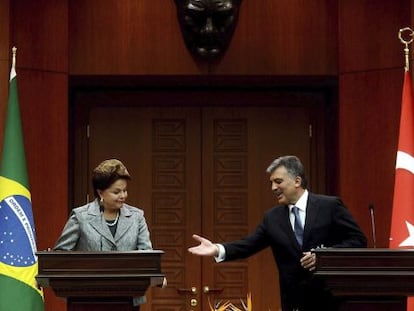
point(372, 216)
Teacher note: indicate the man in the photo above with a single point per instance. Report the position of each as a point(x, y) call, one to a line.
point(327, 223)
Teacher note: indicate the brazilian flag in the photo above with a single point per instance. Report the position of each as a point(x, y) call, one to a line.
point(18, 261)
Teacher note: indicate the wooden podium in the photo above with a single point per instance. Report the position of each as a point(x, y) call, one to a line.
point(368, 279)
point(99, 280)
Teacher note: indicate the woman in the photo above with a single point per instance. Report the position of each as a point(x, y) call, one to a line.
point(107, 223)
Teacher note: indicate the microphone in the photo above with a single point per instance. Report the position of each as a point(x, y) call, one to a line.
point(372, 216)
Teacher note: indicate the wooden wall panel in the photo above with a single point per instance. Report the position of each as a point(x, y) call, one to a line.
point(412, 12)
point(45, 128)
point(368, 34)
point(40, 34)
point(281, 37)
point(127, 37)
point(39, 31)
point(4, 30)
point(45, 136)
point(369, 112)
point(371, 60)
point(4, 90)
point(4, 64)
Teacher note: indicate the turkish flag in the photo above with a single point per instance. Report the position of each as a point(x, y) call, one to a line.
point(402, 223)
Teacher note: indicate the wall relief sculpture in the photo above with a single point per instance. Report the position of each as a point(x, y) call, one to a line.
point(207, 25)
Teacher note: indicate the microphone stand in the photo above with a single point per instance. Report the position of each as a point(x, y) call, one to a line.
point(372, 216)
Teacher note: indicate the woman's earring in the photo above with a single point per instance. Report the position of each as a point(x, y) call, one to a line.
point(101, 200)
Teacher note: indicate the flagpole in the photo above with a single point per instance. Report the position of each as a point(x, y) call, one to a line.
point(406, 43)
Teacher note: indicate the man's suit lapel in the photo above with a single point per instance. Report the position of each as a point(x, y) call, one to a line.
point(312, 210)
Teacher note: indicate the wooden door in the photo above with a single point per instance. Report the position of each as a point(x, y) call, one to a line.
point(161, 149)
point(201, 169)
point(238, 145)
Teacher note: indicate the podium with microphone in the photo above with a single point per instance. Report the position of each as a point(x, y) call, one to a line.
point(378, 279)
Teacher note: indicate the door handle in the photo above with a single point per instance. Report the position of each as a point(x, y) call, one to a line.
point(192, 290)
point(208, 290)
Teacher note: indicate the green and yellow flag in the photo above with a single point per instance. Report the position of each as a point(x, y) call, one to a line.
point(18, 261)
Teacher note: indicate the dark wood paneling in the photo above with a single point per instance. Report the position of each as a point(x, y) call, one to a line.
point(4, 30)
point(368, 34)
point(4, 63)
point(371, 61)
point(40, 34)
point(127, 37)
point(412, 11)
point(284, 37)
point(4, 87)
point(281, 37)
point(368, 133)
point(39, 31)
point(45, 127)
point(45, 123)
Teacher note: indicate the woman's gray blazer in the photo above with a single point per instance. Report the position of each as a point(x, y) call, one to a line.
point(86, 230)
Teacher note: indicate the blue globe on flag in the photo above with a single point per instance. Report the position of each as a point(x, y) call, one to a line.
point(17, 236)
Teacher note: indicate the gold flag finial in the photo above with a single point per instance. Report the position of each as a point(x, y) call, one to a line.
point(406, 42)
point(14, 50)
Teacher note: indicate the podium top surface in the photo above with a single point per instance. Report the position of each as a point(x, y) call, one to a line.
point(100, 253)
point(367, 271)
point(365, 250)
point(99, 274)
point(98, 262)
point(364, 259)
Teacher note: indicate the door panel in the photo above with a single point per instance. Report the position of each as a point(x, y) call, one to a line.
point(161, 149)
point(201, 170)
point(238, 145)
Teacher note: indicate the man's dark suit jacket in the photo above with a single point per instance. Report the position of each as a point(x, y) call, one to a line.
point(328, 224)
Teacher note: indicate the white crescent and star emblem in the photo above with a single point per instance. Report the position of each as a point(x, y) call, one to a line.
point(409, 241)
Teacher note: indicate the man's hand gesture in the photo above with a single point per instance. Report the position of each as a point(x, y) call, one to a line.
point(205, 248)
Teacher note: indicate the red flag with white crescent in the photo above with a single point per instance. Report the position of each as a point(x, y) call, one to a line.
point(402, 223)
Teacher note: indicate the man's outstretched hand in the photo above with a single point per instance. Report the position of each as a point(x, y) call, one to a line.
point(205, 248)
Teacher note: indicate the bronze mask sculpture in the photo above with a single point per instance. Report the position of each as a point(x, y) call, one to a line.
point(207, 25)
